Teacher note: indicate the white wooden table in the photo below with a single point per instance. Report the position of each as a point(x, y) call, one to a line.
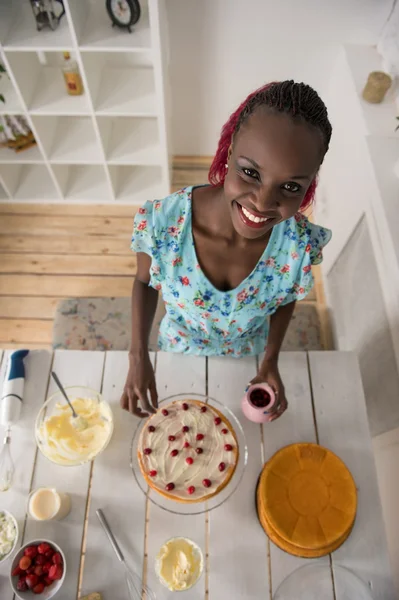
point(326, 404)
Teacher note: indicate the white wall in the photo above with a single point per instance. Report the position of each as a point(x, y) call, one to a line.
point(223, 49)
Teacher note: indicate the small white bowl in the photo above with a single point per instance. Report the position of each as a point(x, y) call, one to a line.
point(7, 556)
point(49, 592)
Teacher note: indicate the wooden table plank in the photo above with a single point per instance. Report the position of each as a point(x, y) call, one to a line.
point(67, 244)
point(23, 446)
point(73, 368)
point(176, 374)
point(110, 210)
point(115, 491)
point(25, 331)
point(296, 425)
point(50, 264)
point(343, 428)
point(23, 307)
point(236, 536)
point(65, 225)
point(80, 286)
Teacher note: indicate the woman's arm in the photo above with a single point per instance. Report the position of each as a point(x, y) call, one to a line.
point(141, 379)
point(144, 305)
point(279, 322)
point(268, 370)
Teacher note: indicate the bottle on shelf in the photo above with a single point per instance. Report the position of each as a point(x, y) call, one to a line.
point(72, 76)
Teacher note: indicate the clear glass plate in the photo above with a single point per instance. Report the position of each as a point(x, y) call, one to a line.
point(195, 508)
point(314, 582)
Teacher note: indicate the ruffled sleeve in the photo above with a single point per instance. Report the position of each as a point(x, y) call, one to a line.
point(310, 240)
point(318, 238)
point(143, 230)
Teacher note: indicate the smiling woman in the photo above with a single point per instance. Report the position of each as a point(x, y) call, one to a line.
point(231, 258)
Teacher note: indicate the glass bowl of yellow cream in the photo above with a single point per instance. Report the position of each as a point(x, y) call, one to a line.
point(68, 441)
point(179, 564)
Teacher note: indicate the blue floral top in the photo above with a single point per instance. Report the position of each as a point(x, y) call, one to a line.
point(201, 319)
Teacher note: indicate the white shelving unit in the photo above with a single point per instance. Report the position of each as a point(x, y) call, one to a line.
point(111, 143)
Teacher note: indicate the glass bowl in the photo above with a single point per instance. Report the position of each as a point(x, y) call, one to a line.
point(316, 581)
point(196, 508)
point(199, 555)
point(61, 454)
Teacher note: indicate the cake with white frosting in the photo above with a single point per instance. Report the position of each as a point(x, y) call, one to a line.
point(188, 451)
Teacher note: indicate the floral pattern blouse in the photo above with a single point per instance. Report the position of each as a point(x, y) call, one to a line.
point(202, 320)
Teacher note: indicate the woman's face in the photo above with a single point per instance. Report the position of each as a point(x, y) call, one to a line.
point(273, 161)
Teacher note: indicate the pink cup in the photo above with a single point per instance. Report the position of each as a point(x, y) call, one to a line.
point(259, 403)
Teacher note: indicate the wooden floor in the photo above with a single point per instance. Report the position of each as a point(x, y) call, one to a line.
point(49, 252)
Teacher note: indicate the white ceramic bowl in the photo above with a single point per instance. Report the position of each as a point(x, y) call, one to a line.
point(49, 592)
point(7, 556)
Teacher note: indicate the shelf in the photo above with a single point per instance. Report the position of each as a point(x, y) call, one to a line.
point(69, 140)
point(30, 156)
point(28, 182)
point(127, 92)
point(379, 119)
point(131, 141)
point(12, 105)
point(22, 33)
point(50, 96)
point(83, 182)
point(43, 85)
point(384, 152)
point(136, 184)
point(3, 194)
point(95, 32)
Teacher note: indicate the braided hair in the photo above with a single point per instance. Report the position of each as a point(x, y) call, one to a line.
point(296, 99)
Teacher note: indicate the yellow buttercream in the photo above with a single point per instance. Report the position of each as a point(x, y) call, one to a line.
point(179, 564)
point(64, 443)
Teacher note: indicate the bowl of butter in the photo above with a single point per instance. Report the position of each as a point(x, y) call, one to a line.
point(67, 440)
point(179, 564)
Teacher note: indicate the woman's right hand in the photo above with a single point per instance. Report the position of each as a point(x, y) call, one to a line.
point(140, 383)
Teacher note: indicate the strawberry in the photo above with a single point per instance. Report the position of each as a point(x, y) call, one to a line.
point(16, 572)
point(38, 589)
point(47, 581)
point(21, 584)
point(43, 548)
point(31, 551)
point(32, 580)
point(25, 563)
point(38, 570)
point(46, 567)
point(57, 559)
point(55, 572)
point(40, 559)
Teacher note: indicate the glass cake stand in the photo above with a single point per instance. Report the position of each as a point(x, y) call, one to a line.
point(193, 508)
point(314, 582)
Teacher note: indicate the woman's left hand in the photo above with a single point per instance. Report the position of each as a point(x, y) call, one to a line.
point(269, 373)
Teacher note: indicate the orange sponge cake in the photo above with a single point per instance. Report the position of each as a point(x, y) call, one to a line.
point(306, 500)
point(188, 451)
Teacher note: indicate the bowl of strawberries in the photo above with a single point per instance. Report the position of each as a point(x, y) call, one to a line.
point(38, 569)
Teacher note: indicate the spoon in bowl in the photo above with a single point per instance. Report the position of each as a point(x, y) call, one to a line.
point(78, 422)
